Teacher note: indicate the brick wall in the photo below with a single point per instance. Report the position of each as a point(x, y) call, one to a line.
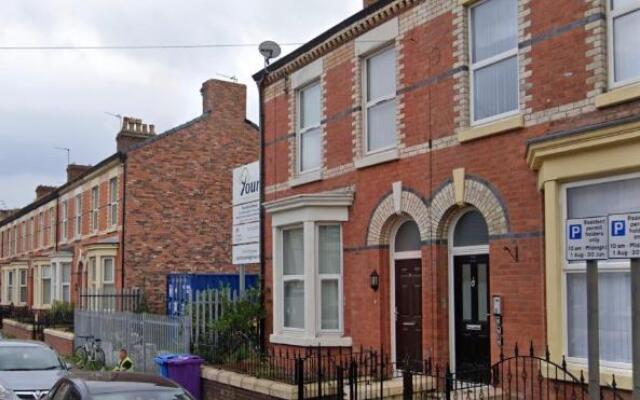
point(62, 342)
point(178, 193)
point(217, 390)
point(562, 69)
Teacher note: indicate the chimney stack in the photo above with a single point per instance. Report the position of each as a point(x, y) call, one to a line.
point(133, 131)
point(43, 190)
point(226, 99)
point(4, 214)
point(367, 3)
point(75, 170)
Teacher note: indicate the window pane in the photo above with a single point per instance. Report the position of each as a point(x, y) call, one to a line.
point(46, 272)
point(482, 292)
point(293, 254)
point(23, 294)
point(108, 272)
point(408, 237)
point(294, 304)
point(614, 311)
point(626, 42)
point(471, 230)
point(603, 198)
point(329, 249)
point(619, 4)
point(496, 89)
point(46, 291)
point(381, 125)
point(66, 294)
point(381, 75)
point(466, 291)
point(494, 25)
point(23, 277)
point(310, 106)
point(310, 143)
point(66, 272)
point(330, 300)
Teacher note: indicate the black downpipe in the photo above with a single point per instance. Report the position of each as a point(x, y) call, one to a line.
point(263, 343)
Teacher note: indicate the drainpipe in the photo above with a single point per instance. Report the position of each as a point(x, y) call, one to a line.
point(123, 213)
point(262, 184)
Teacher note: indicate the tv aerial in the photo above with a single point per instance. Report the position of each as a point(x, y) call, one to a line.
point(269, 50)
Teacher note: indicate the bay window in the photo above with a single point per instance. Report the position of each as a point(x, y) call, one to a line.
point(22, 295)
point(588, 199)
point(307, 269)
point(494, 59)
point(108, 275)
point(66, 282)
point(624, 41)
point(380, 100)
point(9, 287)
point(45, 285)
point(309, 128)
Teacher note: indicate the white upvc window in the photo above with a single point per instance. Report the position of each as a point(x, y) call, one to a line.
point(95, 210)
point(65, 219)
point(93, 275)
point(624, 41)
point(46, 285)
point(113, 201)
point(66, 282)
point(78, 215)
point(41, 232)
point(309, 132)
point(379, 91)
point(587, 199)
point(108, 275)
point(9, 287)
point(52, 225)
point(30, 234)
point(293, 278)
point(329, 259)
point(22, 288)
point(494, 60)
point(23, 237)
point(14, 244)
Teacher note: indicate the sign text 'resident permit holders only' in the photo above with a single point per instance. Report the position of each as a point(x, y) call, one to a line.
point(587, 239)
point(624, 235)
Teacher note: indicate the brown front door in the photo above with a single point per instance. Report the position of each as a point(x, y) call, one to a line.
point(408, 282)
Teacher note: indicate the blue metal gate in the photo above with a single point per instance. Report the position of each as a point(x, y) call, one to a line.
point(181, 287)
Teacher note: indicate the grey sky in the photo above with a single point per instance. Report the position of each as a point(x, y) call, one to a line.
point(54, 99)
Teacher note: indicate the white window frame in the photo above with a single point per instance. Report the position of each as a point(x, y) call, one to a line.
point(78, 218)
point(65, 219)
point(367, 104)
point(95, 208)
point(103, 268)
point(64, 284)
point(294, 278)
point(611, 16)
point(300, 131)
point(42, 268)
point(22, 285)
point(41, 232)
point(330, 277)
point(52, 225)
point(11, 283)
point(604, 266)
point(113, 201)
point(473, 67)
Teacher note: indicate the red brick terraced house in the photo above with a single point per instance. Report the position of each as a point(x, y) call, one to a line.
point(160, 204)
point(420, 159)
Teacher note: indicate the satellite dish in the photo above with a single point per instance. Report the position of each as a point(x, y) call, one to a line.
point(269, 50)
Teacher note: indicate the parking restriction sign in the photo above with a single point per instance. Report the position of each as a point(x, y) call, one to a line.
point(587, 239)
point(624, 235)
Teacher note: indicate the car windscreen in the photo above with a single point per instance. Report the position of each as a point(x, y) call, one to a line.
point(172, 394)
point(26, 358)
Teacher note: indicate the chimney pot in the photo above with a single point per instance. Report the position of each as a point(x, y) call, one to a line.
point(133, 132)
point(367, 3)
point(75, 170)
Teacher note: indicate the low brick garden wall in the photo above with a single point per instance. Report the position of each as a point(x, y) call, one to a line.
point(17, 329)
point(61, 341)
point(220, 384)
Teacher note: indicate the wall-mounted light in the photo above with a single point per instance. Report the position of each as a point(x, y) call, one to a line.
point(374, 280)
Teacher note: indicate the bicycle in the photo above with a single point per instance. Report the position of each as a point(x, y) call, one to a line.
point(90, 355)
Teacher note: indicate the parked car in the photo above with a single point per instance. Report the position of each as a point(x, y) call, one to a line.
point(116, 386)
point(28, 369)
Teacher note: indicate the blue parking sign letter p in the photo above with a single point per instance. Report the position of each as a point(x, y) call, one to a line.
point(575, 232)
point(618, 228)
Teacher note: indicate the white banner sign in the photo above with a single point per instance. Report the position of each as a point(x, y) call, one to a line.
point(246, 253)
point(246, 183)
point(624, 235)
point(587, 239)
point(246, 214)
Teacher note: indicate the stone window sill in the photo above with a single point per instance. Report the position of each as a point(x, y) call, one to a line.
point(306, 178)
point(306, 341)
point(377, 158)
point(492, 128)
point(618, 95)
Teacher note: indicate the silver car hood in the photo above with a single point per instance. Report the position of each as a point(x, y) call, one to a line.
point(30, 380)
